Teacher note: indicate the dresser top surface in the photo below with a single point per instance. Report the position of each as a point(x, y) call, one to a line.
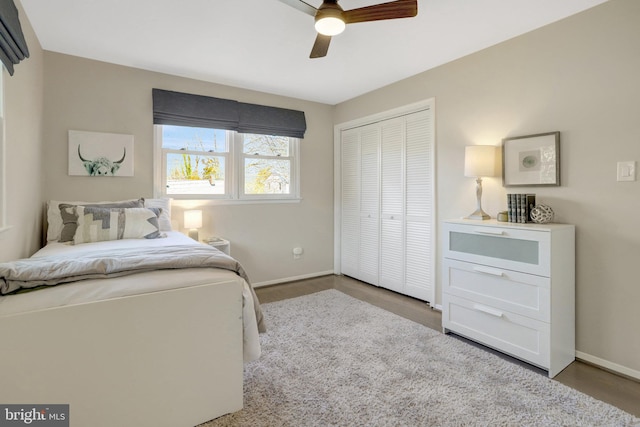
point(514, 225)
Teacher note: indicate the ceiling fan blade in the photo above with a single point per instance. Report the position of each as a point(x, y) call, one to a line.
point(391, 10)
point(321, 46)
point(301, 6)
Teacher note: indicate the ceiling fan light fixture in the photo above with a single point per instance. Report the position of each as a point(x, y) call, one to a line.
point(331, 19)
point(330, 25)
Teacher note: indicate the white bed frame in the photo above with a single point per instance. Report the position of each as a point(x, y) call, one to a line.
point(170, 358)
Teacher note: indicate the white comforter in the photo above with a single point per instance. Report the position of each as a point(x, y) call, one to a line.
point(135, 284)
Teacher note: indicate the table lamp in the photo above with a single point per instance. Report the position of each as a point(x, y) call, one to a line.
point(193, 221)
point(479, 161)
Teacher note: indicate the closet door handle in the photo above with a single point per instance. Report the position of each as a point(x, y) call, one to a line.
point(489, 270)
point(488, 310)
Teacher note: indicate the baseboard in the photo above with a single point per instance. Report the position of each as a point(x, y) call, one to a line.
point(291, 279)
point(609, 366)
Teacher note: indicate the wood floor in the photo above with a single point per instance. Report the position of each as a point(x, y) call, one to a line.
point(598, 383)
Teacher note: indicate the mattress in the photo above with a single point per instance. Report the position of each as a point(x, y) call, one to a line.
point(93, 290)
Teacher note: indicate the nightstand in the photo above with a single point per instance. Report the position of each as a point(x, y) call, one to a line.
point(221, 244)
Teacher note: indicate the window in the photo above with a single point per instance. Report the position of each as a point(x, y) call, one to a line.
point(222, 164)
point(267, 164)
point(215, 148)
point(3, 183)
point(194, 161)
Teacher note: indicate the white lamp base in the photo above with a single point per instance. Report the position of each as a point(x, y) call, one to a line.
point(479, 214)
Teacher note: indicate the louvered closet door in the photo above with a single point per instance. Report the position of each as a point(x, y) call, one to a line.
point(392, 205)
point(350, 229)
point(369, 204)
point(387, 204)
point(419, 205)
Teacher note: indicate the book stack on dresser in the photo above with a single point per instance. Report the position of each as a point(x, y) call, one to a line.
point(519, 207)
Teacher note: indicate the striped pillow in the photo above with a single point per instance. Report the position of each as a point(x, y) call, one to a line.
point(70, 218)
point(97, 224)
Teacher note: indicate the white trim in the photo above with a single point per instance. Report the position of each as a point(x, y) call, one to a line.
point(196, 201)
point(3, 155)
point(234, 159)
point(337, 199)
point(292, 279)
point(4, 230)
point(610, 366)
point(294, 172)
point(385, 115)
point(158, 162)
point(337, 178)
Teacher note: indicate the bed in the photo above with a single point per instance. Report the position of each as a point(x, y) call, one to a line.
point(149, 345)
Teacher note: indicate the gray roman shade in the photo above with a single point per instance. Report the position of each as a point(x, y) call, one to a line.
point(271, 121)
point(184, 109)
point(13, 46)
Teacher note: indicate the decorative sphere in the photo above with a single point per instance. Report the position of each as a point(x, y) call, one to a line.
point(542, 214)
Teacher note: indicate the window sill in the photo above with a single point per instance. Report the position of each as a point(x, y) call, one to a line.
point(188, 203)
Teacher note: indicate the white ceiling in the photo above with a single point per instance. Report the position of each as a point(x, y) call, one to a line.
point(264, 45)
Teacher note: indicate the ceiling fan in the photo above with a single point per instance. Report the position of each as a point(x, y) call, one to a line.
point(331, 19)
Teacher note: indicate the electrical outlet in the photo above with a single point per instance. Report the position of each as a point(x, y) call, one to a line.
point(627, 171)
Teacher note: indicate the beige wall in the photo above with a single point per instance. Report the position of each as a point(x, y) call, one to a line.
point(23, 136)
point(580, 76)
point(88, 95)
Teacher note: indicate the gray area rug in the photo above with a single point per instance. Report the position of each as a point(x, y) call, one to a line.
point(331, 360)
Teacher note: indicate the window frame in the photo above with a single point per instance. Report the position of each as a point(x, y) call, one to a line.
point(161, 186)
point(3, 154)
point(294, 171)
point(234, 173)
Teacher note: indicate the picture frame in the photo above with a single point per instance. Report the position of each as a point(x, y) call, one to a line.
point(531, 160)
point(99, 154)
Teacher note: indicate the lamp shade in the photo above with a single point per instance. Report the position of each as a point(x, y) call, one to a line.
point(193, 219)
point(480, 160)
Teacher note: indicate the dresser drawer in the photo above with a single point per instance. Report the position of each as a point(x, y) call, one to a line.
point(519, 293)
point(518, 249)
point(519, 336)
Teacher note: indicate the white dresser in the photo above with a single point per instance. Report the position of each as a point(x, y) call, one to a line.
point(512, 287)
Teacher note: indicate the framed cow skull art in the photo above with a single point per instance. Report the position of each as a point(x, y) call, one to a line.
point(100, 154)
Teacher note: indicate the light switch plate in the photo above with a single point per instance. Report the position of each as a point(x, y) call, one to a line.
point(627, 171)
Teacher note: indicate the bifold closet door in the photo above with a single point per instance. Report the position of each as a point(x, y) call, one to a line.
point(360, 220)
point(387, 202)
point(350, 202)
point(369, 204)
point(419, 201)
point(392, 204)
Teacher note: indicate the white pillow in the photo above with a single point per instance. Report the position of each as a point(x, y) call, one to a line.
point(165, 217)
point(54, 219)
